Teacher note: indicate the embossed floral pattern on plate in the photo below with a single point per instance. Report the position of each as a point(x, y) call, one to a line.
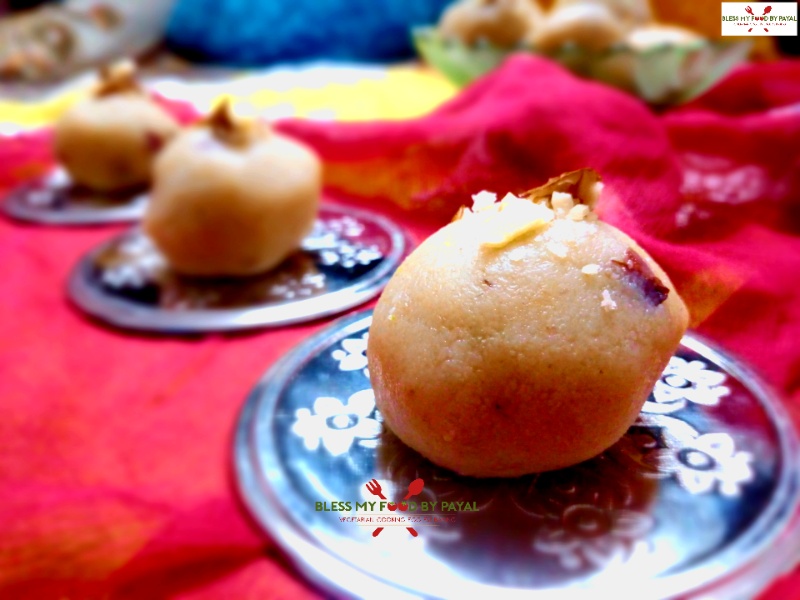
point(690, 463)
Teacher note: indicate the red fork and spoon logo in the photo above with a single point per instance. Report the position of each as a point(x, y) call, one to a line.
point(767, 10)
point(414, 488)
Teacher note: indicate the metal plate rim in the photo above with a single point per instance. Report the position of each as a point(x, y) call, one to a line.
point(128, 315)
point(131, 211)
point(779, 520)
point(293, 541)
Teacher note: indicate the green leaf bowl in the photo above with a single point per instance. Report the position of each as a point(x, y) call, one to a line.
point(660, 75)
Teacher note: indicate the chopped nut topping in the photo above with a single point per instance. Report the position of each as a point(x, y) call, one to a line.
point(562, 203)
point(590, 269)
point(512, 218)
point(119, 78)
point(483, 200)
point(504, 221)
point(579, 212)
point(608, 303)
point(231, 130)
point(569, 196)
point(583, 185)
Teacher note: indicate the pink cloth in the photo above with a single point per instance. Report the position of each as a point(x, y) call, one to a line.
point(115, 477)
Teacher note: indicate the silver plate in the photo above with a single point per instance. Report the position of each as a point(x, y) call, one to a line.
point(344, 262)
point(698, 500)
point(54, 200)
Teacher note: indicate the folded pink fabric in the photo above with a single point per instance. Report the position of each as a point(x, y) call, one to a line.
point(115, 477)
point(711, 189)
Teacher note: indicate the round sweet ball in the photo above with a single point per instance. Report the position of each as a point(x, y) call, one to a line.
point(629, 12)
point(503, 23)
point(589, 26)
point(232, 197)
point(523, 337)
point(108, 141)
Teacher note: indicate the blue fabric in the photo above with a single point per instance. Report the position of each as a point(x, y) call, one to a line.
point(257, 32)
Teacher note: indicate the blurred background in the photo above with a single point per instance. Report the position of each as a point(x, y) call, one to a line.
point(119, 474)
point(47, 41)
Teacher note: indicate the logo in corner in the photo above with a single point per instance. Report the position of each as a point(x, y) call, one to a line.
point(759, 19)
